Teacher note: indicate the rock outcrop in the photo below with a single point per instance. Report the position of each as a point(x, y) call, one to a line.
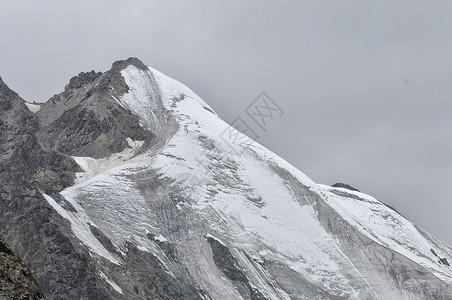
point(16, 281)
point(345, 186)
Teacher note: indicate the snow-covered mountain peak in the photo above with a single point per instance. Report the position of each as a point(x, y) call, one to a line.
point(221, 217)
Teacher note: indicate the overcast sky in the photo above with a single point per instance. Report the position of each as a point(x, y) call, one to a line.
point(365, 85)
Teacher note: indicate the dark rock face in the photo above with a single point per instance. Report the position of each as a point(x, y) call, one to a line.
point(149, 280)
point(84, 131)
point(28, 223)
point(229, 266)
point(86, 120)
point(345, 186)
point(82, 79)
point(7, 97)
point(16, 281)
point(24, 163)
point(444, 261)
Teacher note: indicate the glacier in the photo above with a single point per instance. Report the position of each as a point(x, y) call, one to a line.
point(195, 200)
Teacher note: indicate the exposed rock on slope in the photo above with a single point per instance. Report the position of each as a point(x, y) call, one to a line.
point(25, 165)
point(16, 281)
point(345, 186)
point(84, 121)
point(28, 223)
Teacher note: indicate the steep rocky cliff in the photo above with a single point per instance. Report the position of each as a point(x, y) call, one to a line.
point(128, 186)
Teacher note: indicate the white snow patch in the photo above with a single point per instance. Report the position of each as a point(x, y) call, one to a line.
point(92, 167)
point(215, 238)
point(160, 238)
point(83, 162)
point(80, 225)
point(111, 283)
point(34, 108)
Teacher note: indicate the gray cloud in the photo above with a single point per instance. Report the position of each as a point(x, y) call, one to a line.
point(365, 85)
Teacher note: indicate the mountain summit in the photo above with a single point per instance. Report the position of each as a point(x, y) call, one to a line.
point(127, 185)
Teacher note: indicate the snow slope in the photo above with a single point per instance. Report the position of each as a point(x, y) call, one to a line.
point(193, 184)
point(390, 229)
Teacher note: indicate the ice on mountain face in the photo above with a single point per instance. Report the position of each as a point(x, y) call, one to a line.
point(274, 219)
point(387, 227)
point(278, 226)
point(143, 100)
point(80, 224)
point(271, 221)
point(190, 185)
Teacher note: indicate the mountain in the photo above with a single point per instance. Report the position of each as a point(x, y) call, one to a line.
point(128, 186)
